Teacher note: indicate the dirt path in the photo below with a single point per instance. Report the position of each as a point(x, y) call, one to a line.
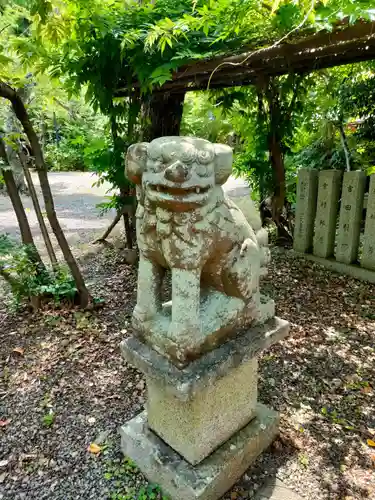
point(76, 201)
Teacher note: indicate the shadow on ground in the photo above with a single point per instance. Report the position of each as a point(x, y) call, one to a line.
point(69, 364)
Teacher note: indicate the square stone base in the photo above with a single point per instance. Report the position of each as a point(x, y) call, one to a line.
point(208, 480)
point(195, 428)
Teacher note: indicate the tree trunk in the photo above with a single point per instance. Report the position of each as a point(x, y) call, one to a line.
point(12, 129)
point(277, 162)
point(38, 211)
point(128, 231)
point(164, 112)
point(21, 113)
point(15, 198)
point(280, 212)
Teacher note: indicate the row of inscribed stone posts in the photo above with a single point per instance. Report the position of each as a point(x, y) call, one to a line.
point(317, 230)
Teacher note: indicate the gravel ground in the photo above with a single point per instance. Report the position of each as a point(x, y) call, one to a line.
point(64, 387)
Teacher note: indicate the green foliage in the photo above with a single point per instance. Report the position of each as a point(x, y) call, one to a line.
point(151, 492)
point(101, 46)
point(121, 475)
point(48, 419)
point(27, 280)
point(201, 118)
point(345, 97)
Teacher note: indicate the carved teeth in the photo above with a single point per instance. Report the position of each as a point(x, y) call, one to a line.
point(197, 190)
point(158, 188)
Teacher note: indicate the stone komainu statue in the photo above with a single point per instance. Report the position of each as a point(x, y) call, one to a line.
point(186, 223)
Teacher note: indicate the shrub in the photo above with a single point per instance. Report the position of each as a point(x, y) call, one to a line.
point(30, 283)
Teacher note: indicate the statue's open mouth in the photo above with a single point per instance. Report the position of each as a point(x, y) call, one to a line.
point(179, 191)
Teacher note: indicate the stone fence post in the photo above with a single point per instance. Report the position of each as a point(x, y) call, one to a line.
point(307, 187)
point(326, 212)
point(350, 216)
point(368, 256)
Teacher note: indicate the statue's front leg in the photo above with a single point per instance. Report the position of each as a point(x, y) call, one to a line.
point(185, 322)
point(150, 276)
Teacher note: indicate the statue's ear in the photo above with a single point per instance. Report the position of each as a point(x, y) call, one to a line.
point(135, 163)
point(223, 163)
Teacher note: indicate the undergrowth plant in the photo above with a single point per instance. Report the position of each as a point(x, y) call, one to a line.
point(27, 281)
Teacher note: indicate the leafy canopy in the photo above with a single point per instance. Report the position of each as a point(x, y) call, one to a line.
point(108, 44)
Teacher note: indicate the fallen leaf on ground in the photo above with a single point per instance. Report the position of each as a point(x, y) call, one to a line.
point(367, 390)
point(371, 443)
point(19, 350)
point(3, 423)
point(95, 449)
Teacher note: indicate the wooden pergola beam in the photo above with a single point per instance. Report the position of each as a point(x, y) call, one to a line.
point(321, 50)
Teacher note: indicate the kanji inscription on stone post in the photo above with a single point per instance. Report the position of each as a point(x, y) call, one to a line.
point(350, 216)
point(368, 256)
point(305, 210)
point(326, 212)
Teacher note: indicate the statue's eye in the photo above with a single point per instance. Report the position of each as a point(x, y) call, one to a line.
point(205, 155)
point(203, 170)
point(154, 153)
point(188, 153)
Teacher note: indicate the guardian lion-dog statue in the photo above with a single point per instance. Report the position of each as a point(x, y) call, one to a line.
point(185, 223)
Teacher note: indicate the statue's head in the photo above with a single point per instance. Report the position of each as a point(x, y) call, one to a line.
point(179, 173)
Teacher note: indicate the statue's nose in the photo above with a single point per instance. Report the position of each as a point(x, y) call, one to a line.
point(177, 172)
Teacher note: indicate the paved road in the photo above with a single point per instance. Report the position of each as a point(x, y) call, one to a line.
point(75, 200)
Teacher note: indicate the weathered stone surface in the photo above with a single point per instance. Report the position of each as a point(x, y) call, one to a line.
point(187, 224)
point(350, 216)
point(197, 427)
point(208, 480)
point(218, 315)
point(353, 270)
point(368, 255)
point(186, 383)
point(238, 190)
point(329, 191)
point(307, 187)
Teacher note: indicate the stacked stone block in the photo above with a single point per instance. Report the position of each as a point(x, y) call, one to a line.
point(307, 187)
point(350, 216)
point(368, 256)
point(329, 191)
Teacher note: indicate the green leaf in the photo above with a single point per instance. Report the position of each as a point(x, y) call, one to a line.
point(161, 75)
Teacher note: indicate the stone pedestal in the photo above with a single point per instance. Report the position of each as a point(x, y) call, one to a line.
point(326, 212)
point(203, 426)
point(350, 216)
point(305, 209)
point(368, 256)
point(208, 480)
